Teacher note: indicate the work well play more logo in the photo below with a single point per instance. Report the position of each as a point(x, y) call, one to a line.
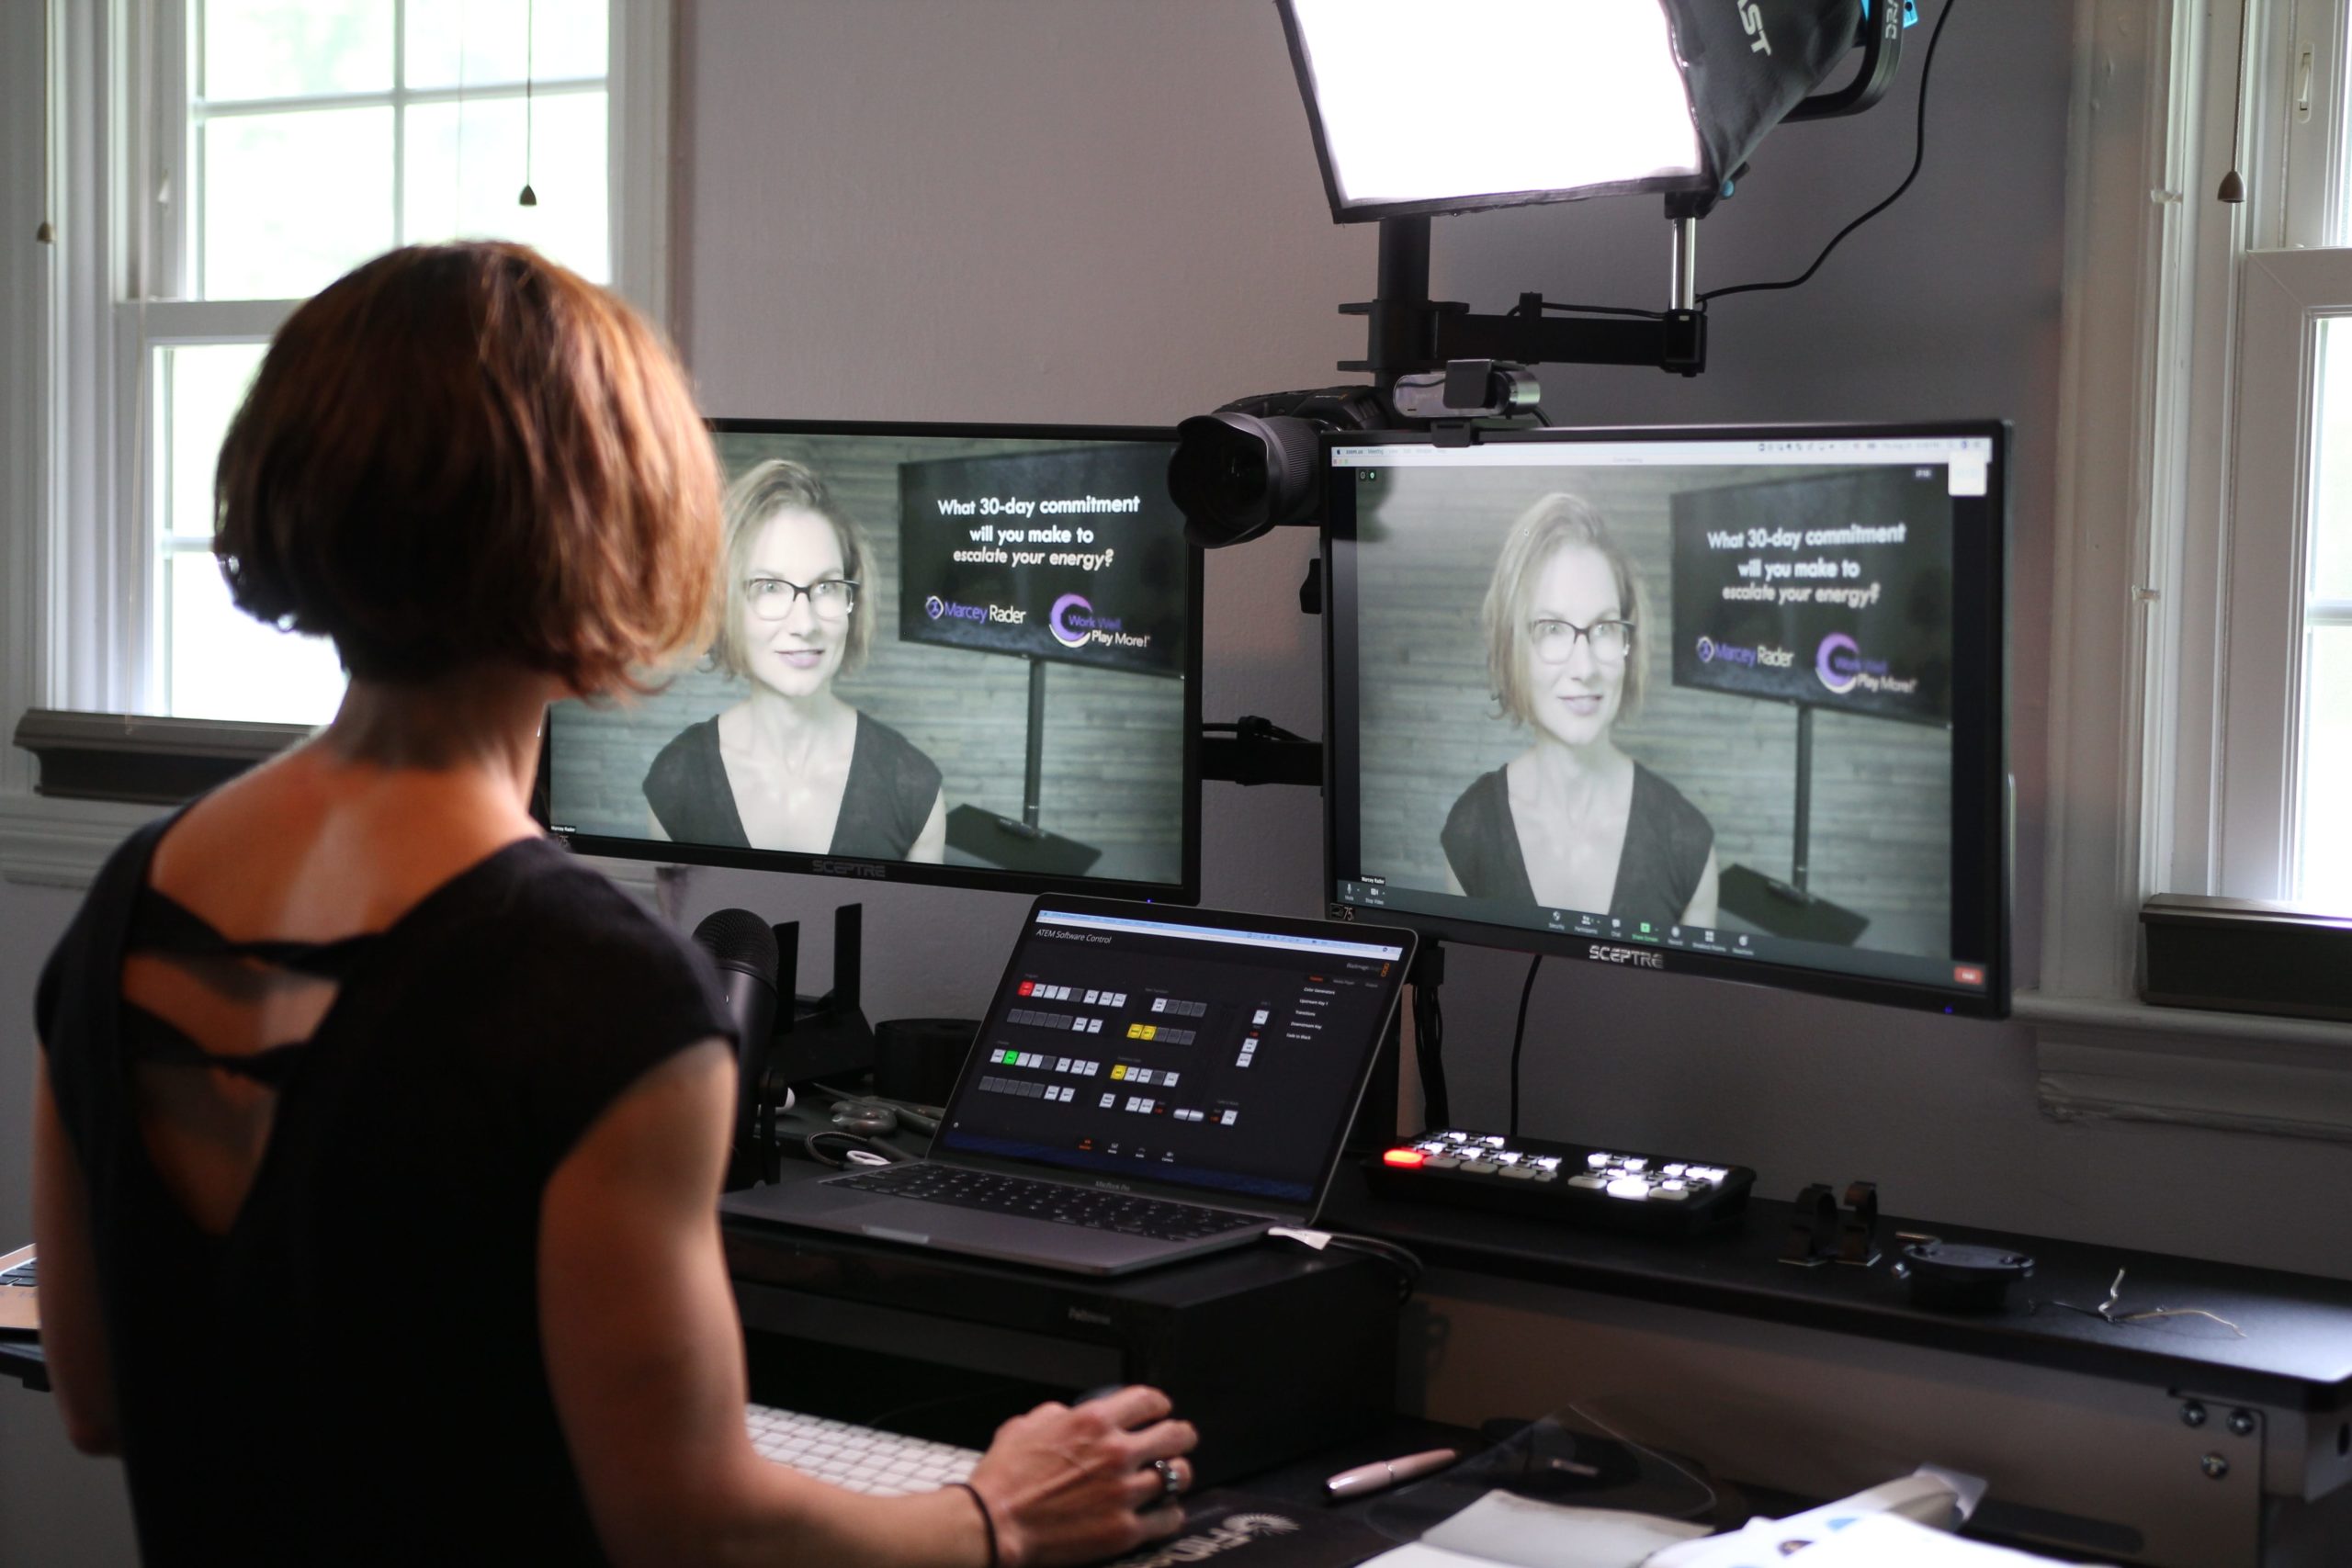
point(1075, 624)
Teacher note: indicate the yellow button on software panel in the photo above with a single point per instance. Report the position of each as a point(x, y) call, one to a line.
point(1134, 1031)
point(1149, 1029)
point(1120, 1071)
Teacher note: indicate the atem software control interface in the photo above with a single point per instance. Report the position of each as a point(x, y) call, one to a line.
point(1227, 1059)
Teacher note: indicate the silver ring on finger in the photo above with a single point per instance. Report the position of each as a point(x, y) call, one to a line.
point(1171, 1484)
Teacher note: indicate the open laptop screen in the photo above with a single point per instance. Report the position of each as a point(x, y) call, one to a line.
point(1224, 1053)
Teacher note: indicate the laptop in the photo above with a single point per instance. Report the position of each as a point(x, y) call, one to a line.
point(1148, 1085)
point(19, 1297)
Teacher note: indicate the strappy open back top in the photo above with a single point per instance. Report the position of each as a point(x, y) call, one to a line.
point(351, 1372)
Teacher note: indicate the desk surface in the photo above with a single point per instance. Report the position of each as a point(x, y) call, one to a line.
point(2296, 1353)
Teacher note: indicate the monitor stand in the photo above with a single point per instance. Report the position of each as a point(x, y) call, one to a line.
point(1786, 909)
point(1021, 844)
point(816, 1038)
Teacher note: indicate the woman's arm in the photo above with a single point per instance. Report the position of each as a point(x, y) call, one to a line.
point(73, 1337)
point(1701, 911)
point(931, 845)
point(645, 1357)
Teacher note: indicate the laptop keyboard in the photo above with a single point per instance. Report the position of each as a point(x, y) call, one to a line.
point(1055, 1201)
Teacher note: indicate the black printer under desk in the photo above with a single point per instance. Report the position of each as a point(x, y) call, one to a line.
point(1272, 1350)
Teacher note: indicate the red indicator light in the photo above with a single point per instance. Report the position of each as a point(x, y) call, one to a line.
point(1968, 974)
point(1028, 985)
point(1405, 1158)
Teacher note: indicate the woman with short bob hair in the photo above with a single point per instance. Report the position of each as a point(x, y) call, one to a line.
point(1572, 822)
point(376, 1141)
point(793, 766)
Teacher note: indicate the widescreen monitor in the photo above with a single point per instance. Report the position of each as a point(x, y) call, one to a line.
point(947, 654)
point(1724, 702)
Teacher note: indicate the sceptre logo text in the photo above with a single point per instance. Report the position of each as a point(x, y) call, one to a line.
point(1635, 955)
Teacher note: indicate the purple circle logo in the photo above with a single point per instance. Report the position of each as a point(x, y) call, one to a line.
point(1706, 650)
point(934, 607)
point(1059, 620)
point(1824, 663)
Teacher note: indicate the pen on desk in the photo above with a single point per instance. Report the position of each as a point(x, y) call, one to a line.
point(1383, 1473)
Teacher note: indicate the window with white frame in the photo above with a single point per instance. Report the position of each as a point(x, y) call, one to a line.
point(2282, 818)
point(286, 142)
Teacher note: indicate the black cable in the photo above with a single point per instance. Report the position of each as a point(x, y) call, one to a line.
point(1918, 159)
point(1519, 1038)
point(1407, 1262)
point(1429, 1054)
point(818, 1146)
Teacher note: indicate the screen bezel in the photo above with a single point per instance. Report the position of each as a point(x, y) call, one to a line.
point(1982, 873)
point(1186, 889)
point(1143, 1186)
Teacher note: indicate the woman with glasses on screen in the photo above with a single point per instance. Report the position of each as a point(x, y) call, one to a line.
point(1572, 822)
point(793, 766)
point(377, 1142)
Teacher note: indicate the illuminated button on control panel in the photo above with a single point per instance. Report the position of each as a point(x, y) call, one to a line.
point(1611, 1188)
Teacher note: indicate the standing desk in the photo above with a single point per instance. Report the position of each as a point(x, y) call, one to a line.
point(2172, 1441)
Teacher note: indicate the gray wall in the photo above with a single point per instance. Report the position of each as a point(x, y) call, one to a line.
point(1074, 209)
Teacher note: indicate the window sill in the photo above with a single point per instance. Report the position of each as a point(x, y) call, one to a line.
point(2123, 1061)
point(61, 843)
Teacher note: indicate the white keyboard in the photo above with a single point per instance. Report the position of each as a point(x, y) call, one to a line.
point(861, 1458)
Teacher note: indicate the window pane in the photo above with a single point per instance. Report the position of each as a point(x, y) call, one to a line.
point(224, 664)
point(279, 49)
point(293, 201)
point(2325, 876)
point(465, 166)
point(201, 389)
point(2331, 488)
point(473, 43)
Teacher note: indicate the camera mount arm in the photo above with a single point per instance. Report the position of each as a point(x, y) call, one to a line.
point(1407, 332)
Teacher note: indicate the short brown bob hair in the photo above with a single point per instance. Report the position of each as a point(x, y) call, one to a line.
point(1543, 530)
point(460, 454)
point(766, 488)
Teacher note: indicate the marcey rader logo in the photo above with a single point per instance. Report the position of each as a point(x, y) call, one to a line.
point(1603, 955)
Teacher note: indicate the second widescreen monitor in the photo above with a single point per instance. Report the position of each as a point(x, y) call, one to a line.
point(953, 654)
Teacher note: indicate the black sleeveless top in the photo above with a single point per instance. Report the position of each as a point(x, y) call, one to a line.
point(1667, 840)
point(885, 800)
point(353, 1372)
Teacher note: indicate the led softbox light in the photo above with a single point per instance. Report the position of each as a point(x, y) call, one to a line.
point(1421, 107)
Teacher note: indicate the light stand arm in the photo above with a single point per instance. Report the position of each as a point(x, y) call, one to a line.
point(1407, 333)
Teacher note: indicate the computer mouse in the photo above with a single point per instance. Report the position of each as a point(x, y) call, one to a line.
point(868, 1120)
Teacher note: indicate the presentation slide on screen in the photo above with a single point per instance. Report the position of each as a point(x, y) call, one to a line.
point(1586, 688)
point(1040, 555)
point(889, 606)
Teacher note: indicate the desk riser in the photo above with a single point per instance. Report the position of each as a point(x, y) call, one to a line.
point(2078, 1464)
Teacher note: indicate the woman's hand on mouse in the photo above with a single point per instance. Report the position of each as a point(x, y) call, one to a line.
point(1077, 1484)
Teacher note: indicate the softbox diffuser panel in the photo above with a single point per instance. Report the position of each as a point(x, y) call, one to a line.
point(1423, 108)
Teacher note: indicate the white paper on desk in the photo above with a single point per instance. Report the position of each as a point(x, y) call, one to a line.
point(1887, 1540)
point(1503, 1528)
point(1823, 1538)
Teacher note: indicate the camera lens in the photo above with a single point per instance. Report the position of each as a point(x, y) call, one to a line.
point(1234, 475)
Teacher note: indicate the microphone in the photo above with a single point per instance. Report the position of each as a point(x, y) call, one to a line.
point(745, 952)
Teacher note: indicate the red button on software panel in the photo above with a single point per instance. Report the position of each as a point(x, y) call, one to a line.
point(1406, 1157)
